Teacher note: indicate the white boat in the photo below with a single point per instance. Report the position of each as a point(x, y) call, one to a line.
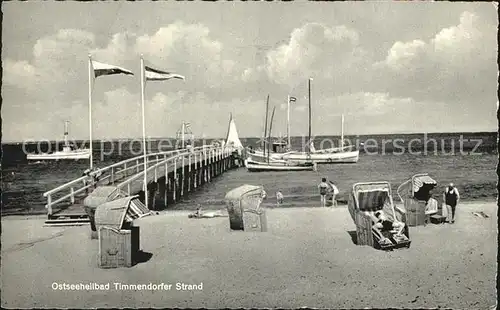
point(68, 151)
point(342, 154)
point(324, 156)
point(262, 163)
point(255, 166)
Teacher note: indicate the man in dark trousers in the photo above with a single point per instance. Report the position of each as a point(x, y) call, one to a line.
point(451, 197)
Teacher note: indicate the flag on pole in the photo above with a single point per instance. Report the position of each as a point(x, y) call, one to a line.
point(293, 99)
point(158, 75)
point(105, 69)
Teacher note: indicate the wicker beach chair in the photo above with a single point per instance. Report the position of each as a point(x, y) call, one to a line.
point(119, 241)
point(244, 208)
point(99, 196)
point(415, 194)
point(364, 201)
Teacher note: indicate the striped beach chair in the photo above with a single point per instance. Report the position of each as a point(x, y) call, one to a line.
point(415, 194)
point(367, 199)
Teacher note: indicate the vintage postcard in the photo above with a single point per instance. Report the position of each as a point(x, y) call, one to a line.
point(249, 154)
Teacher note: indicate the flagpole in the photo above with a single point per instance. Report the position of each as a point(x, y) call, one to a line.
point(90, 111)
point(342, 132)
point(182, 134)
point(288, 122)
point(144, 135)
point(309, 148)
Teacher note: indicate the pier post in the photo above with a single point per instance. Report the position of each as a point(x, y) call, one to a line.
point(190, 178)
point(180, 183)
point(152, 191)
point(174, 183)
point(165, 193)
point(205, 163)
point(216, 157)
point(156, 173)
point(49, 206)
point(195, 172)
point(183, 175)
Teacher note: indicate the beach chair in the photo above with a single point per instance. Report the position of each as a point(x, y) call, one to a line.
point(119, 240)
point(364, 201)
point(415, 194)
point(244, 208)
point(99, 196)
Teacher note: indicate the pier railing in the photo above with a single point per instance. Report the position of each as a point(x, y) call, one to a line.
point(126, 172)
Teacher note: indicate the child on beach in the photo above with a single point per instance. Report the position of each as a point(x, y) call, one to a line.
point(333, 192)
point(323, 190)
point(279, 198)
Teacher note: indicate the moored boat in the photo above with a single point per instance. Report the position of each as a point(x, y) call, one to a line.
point(255, 166)
point(68, 151)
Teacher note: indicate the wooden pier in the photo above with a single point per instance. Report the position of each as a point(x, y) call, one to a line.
point(170, 177)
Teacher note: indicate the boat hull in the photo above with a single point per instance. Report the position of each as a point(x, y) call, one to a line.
point(319, 157)
point(325, 158)
point(60, 156)
point(253, 166)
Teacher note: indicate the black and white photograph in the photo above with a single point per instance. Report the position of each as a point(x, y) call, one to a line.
point(249, 154)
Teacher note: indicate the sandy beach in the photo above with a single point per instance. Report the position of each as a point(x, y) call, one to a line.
point(307, 258)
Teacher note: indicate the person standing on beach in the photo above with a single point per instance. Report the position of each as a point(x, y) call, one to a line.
point(451, 198)
point(334, 191)
point(323, 190)
point(279, 198)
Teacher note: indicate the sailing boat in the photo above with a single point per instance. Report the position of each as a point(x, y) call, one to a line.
point(342, 154)
point(232, 139)
point(278, 149)
point(68, 151)
point(275, 164)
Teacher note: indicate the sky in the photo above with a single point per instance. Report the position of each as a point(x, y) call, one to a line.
point(389, 67)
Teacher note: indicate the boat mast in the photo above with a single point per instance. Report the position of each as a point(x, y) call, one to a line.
point(270, 129)
point(309, 141)
point(182, 134)
point(288, 122)
point(66, 133)
point(342, 132)
point(265, 127)
point(91, 71)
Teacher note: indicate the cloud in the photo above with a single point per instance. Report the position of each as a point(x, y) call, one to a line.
point(315, 50)
point(190, 50)
point(18, 73)
point(447, 67)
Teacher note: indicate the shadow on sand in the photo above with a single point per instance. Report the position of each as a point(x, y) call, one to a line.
point(142, 257)
point(354, 236)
